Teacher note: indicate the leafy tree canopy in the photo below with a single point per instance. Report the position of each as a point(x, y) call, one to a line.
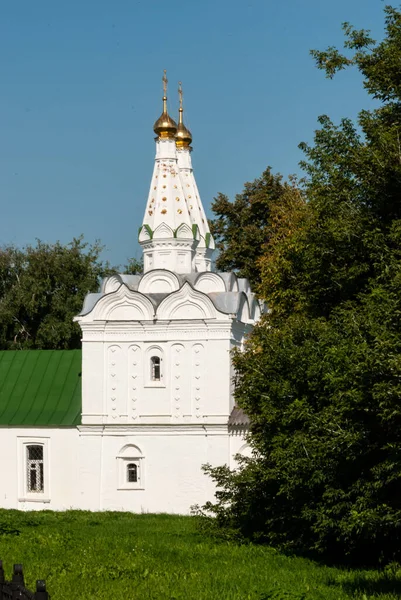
point(320, 376)
point(42, 288)
point(241, 228)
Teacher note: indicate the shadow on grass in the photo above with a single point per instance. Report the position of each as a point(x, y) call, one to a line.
point(371, 584)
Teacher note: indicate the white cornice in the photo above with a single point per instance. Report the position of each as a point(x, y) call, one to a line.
point(125, 336)
point(167, 243)
point(168, 430)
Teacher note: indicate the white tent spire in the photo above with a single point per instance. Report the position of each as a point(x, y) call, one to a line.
point(193, 201)
point(167, 236)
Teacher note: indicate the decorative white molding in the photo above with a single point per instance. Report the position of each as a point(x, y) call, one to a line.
point(117, 334)
point(168, 244)
point(111, 284)
point(121, 305)
point(162, 232)
point(186, 303)
point(165, 429)
point(209, 282)
point(177, 375)
point(159, 281)
point(134, 379)
point(197, 379)
point(184, 232)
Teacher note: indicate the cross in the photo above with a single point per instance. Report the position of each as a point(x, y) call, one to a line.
point(165, 80)
point(180, 92)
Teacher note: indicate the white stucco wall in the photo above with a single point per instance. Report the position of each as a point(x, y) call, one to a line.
point(171, 475)
point(195, 386)
point(61, 475)
point(82, 467)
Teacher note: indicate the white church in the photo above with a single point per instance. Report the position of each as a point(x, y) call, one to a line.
point(127, 423)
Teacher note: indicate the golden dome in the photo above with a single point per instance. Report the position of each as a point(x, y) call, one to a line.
point(183, 137)
point(165, 126)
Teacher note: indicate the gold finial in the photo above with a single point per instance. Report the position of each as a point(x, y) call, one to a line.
point(165, 126)
point(180, 93)
point(180, 110)
point(183, 136)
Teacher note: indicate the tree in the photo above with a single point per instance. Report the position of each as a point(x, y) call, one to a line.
point(133, 266)
point(320, 376)
point(42, 288)
point(242, 227)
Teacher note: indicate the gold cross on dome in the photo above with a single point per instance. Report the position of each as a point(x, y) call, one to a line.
point(165, 81)
point(180, 92)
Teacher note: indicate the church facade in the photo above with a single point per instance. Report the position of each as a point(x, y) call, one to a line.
point(130, 427)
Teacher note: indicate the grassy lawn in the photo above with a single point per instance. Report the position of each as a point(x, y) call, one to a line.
point(125, 556)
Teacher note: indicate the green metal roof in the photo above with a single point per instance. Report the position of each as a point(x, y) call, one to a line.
point(40, 387)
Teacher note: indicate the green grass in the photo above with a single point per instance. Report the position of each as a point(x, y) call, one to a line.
point(125, 556)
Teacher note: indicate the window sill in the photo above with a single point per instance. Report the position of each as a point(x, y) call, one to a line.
point(125, 488)
point(34, 499)
point(155, 385)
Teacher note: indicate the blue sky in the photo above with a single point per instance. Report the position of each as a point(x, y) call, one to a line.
point(81, 88)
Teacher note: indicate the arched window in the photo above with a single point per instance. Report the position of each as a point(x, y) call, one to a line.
point(130, 468)
point(132, 473)
point(34, 469)
point(155, 368)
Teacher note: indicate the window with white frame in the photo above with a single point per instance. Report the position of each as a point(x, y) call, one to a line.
point(154, 367)
point(130, 468)
point(132, 473)
point(33, 470)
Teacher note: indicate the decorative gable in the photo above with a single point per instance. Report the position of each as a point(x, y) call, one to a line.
point(186, 303)
point(122, 305)
point(184, 232)
point(209, 282)
point(163, 231)
point(159, 281)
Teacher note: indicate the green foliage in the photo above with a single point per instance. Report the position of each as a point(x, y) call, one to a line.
point(42, 288)
point(324, 399)
point(281, 260)
point(242, 227)
point(378, 63)
point(106, 555)
point(321, 375)
point(133, 267)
